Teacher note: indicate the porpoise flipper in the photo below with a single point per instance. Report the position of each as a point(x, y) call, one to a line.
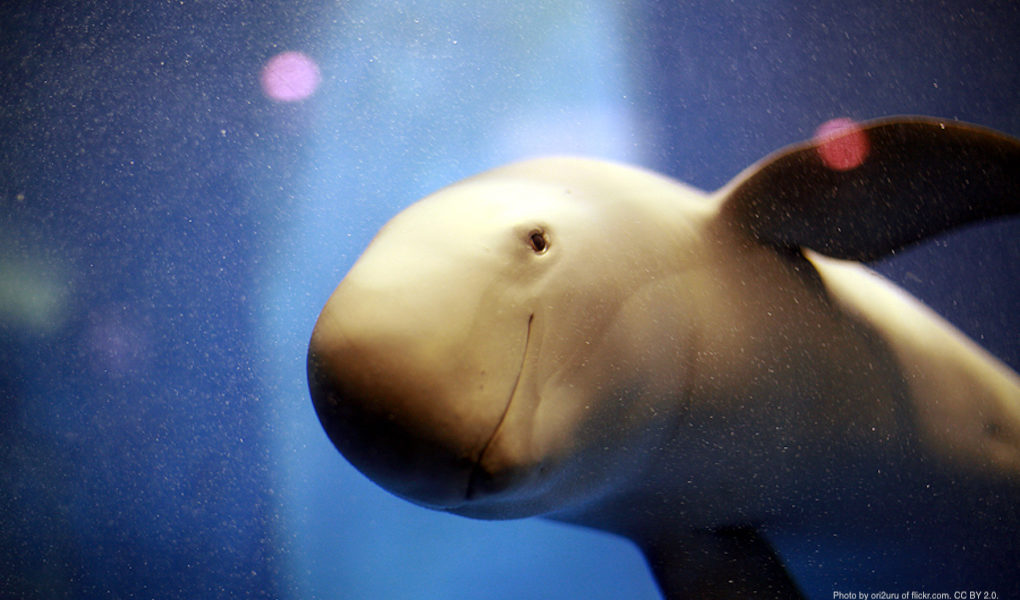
point(724, 563)
point(918, 177)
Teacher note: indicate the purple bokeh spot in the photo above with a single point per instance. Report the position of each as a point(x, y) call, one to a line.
point(842, 144)
point(116, 344)
point(289, 77)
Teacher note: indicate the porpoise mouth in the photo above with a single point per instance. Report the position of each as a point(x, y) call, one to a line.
point(477, 473)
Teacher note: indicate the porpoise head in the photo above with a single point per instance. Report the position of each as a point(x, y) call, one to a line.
point(456, 363)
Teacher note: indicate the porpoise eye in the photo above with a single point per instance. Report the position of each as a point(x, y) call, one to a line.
point(538, 241)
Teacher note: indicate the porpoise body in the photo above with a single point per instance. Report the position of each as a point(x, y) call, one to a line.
point(605, 346)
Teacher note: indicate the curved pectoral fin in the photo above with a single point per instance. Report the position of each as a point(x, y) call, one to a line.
point(726, 563)
point(875, 187)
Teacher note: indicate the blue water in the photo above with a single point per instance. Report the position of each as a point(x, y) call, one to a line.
point(169, 232)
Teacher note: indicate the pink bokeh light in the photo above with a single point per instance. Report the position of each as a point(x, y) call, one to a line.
point(842, 144)
point(289, 77)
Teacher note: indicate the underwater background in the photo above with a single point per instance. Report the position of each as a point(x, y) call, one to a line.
point(183, 183)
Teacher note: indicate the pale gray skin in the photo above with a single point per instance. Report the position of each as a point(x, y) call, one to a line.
point(605, 346)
